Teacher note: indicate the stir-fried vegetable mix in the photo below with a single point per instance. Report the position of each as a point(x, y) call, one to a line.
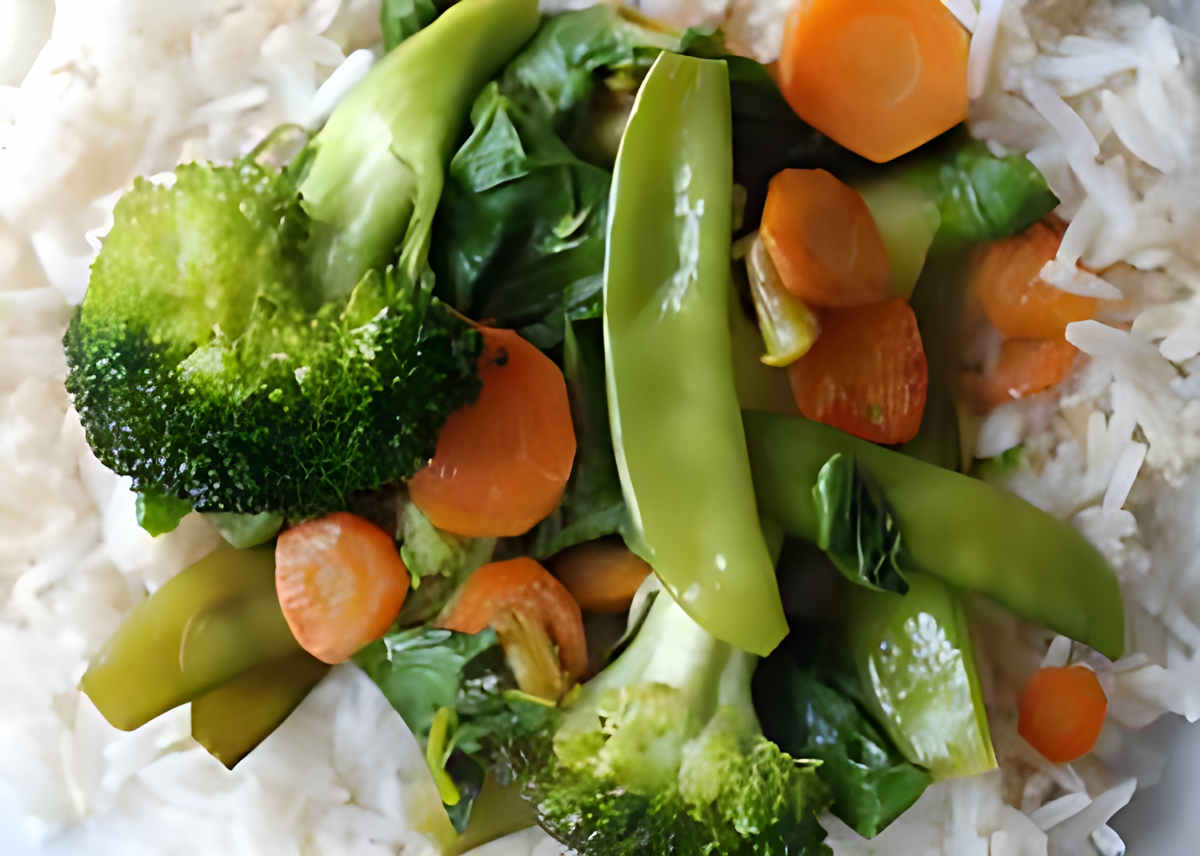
point(479, 370)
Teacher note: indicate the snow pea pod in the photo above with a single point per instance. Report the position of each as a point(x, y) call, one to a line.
point(970, 534)
point(205, 626)
point(676, 423)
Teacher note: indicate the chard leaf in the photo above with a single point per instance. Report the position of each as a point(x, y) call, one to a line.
point(438, 562)
point(426, 670)
point(856, 528)
point(810, 717)
point(159, 513)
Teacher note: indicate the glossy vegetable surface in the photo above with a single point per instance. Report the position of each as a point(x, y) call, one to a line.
point(823, 240)
point(964, 531)
point(602, 576)
point(879, 76)
point(1062, 711)
point(674, 412)
point(205, 626)
point(503, 462)
point(866, 374)
point(234, 718)
point(917, 668)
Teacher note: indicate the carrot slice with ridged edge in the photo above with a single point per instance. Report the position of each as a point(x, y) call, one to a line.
point(867, 373)
point(502, 463)
point(881, 77)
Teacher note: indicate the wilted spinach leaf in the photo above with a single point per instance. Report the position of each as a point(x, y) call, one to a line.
point(871, 782)
point(593, 504)
point(980, 196)
point(426, 670)
point(856, 527)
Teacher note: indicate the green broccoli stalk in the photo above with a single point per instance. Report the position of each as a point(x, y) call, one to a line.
point(662, 753)
point(247, 343)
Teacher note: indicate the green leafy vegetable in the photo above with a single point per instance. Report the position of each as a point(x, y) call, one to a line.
point(593, 505)
point(159, 513)
point(246, 530)
point(521, 227)
point(980, 196)
point(521, 230)
point(438, 561)
point(457, 696)
point(855, 526)
point(400, 19)
point(871, 782)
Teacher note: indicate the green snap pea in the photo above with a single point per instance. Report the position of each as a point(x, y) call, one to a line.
point(962, 530)
point(673, 406)
point(916, 665)
point(207, 625)
point(232, 719)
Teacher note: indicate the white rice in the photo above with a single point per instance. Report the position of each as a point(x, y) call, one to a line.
point(1100, 97)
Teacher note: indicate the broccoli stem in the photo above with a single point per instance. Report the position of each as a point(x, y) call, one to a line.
point(672, 649)
point(376, 168)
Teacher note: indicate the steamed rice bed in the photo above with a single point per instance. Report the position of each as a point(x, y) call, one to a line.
point(1101, 97)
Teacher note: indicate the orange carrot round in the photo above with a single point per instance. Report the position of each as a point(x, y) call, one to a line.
point(867, 373)
point(503, 462)
point(879, 76)
point(1025, 367)
point(521, 585)
point(823, 240)
point(1062, 711)
point(1005, 276)
point(340, 583)
point(602, 576)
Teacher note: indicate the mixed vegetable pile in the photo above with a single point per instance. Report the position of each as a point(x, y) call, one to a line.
point(472, 386)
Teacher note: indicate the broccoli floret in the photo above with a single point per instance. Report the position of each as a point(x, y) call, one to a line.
point(662, 753)
point(256, 340)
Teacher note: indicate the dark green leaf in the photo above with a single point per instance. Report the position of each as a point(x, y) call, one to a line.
point(520, 229)
point(158, 513)
point(593, 505)
point(980, 196)
point(871, 782)
point(425, 669)
point(399, 19)
point(856, 526)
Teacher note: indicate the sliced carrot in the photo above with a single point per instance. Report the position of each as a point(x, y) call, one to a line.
point(602, 576)
point(1062, 711)
point(340, 583)
point(1025, 367)
point(503, 462)
point(1005, 275)
point(521, 585)
point(823, 240)
point(867, 373)
point(879, 76)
